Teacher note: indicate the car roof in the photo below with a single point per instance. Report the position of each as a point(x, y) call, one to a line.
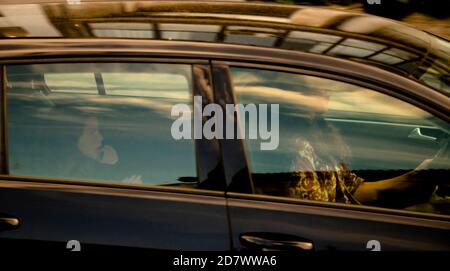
point(359, 37)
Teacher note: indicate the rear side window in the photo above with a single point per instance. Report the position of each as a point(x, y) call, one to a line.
point(98, 121)
point(71, 82)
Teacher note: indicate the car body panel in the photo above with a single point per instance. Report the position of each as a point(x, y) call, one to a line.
point(333, 228)
point(114, 217)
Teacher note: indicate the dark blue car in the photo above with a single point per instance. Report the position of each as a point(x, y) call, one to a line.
point(89, 156)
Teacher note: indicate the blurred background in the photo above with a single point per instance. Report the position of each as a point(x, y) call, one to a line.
point(429, 15)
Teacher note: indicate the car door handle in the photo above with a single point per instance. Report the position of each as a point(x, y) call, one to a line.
point(275, 241)
point(8, 222)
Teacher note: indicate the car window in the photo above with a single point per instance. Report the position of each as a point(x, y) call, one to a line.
point(99, 121)
point(343, 143)
point(71, 82)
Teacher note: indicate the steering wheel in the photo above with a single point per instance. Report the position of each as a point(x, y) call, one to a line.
point(440, 163)
point(441, 159)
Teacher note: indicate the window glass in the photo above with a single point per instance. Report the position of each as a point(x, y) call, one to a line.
point(98, 121)
point(71, 82)
point(434, 70)
point(343, 143)
point(160, 85)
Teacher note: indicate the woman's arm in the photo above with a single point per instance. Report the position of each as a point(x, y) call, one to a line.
point(405, 190)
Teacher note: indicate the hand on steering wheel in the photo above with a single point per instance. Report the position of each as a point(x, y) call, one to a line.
point(441, 159)
point(439, 164)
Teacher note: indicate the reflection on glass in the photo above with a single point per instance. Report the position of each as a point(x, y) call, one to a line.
point(315, 17)
point(363, 44)
point(71, 82)
point(363, 24)
point(393, 56)
point(319, 48)
point(336, 137)
point(400, 53)
point(437, 80)
point(308, 41)
point(189, 27)
point(194, 32)
point(251, 35)
point(122, 30)
point(263, 39)
point(435, 72)
point(313, 36)
point(341, 50)
point(356, 48)
point(115, 127)
point(387, 59)
point(192, 36)
point(254, 29)
point(164, 85)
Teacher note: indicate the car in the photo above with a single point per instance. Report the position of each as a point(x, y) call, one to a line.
point(97, 150)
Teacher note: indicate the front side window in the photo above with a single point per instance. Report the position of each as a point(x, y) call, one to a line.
point(98, 121)
point(344, 143)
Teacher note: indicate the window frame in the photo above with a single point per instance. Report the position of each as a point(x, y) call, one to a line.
point(382, 87)
point(213, 189)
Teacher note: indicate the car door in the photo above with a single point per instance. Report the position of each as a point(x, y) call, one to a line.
point(90, 160)
point(334, 136)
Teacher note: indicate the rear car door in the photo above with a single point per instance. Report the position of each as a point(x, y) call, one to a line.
point(333, 136)
point(90, 157)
